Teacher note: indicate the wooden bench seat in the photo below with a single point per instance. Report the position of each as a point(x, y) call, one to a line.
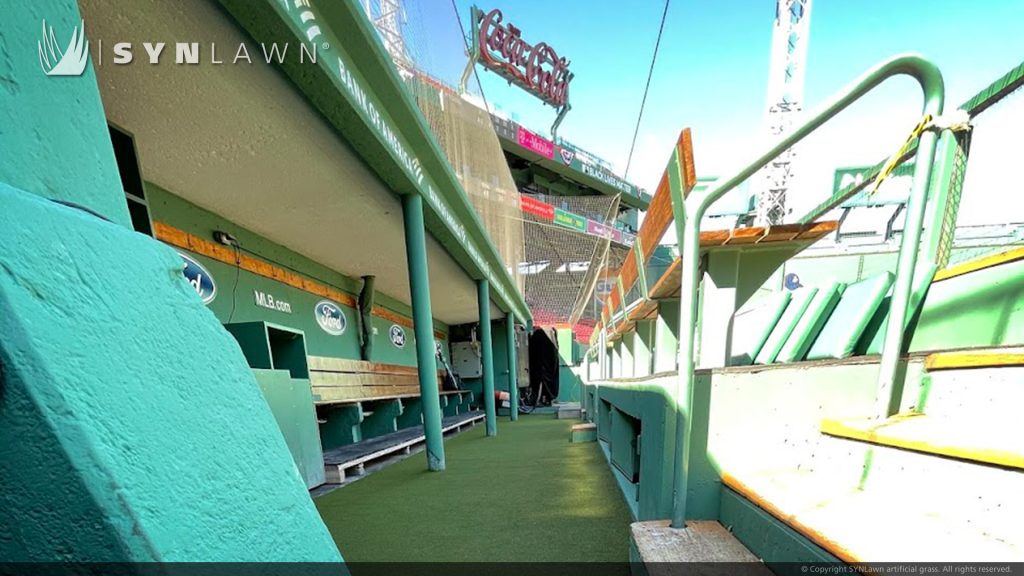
point(343, 381)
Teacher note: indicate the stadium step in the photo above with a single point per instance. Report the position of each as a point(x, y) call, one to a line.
point(948, 510)
point(975, 358)
point(660, 548)
point(993, 441)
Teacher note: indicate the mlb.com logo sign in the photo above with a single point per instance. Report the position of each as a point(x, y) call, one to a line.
point(71, 60)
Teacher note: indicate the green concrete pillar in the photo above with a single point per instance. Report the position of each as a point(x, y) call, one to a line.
point(643, 345)
point(54, 139)
point(513, 370)
point(626, 346)
point(483, 295)
point(717, 305)
point(423, 329)
point(617, 358)
point(666, 340)
point(602, 355)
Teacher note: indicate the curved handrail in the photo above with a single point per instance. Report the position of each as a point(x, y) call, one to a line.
point(697, 203)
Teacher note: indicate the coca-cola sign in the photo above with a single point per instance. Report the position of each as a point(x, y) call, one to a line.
point(536, 68)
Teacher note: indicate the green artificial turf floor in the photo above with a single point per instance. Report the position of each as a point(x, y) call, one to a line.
point(525, 495)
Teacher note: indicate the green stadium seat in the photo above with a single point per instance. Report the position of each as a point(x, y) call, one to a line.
point(806, 330)
point(751, 327)
point(801, 299)
point(874, 335)
point(846, 324)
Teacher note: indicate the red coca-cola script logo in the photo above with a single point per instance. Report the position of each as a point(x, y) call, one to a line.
point(536, 68)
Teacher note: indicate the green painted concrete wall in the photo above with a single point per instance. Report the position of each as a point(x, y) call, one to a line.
point(782, 547)
point(235, 301)
point(129, 417)
point(291, 403)
point(54, 138)
point(818, 270)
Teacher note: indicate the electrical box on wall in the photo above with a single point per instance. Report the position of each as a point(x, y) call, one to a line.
point(466, 360)
point(523, 356)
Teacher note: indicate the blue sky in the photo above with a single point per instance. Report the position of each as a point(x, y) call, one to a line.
point(712, 76)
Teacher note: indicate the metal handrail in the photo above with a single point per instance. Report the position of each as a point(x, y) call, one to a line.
point(696, 204)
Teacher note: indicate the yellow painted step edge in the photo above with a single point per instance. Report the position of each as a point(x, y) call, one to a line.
point(982, 263)
point(956, 360)
point(887, 433)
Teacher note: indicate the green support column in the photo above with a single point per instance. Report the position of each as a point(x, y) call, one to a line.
point(718, 302)
point(483, 294)
point(626, 347)
point(666, 336)
point(419, 287)
point(513, 370)
point(643, 345)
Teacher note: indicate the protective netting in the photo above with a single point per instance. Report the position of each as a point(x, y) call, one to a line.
point(563, 262)
point(426, 42)
point(568, 271)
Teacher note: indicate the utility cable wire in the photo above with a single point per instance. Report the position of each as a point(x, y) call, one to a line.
point(643, 102)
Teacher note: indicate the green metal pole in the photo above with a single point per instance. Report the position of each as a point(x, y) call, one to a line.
point(930, 80)
point(513, 372)
point(483, 296)
point(423, 320)
point(887, 398)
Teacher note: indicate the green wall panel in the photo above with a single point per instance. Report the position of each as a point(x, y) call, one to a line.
point(235, 299)
point(768, 538)
point(291, 403)
point(386, 351)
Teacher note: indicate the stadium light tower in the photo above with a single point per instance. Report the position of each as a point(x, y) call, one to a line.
point(785, 101)
point(388, 17)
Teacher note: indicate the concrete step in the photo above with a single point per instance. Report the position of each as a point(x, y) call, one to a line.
point(994, 441)
point(583, 433)
point(871, 503)
point(706, 546)
point(570, 411)
point(978, 393)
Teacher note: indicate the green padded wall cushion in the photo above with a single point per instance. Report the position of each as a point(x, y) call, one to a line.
point(801, 299)
point(751, 327)
point(810, 323)
point(874, 334)
point(845, 325)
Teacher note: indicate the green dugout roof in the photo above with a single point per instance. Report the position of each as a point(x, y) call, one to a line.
point(357, 89)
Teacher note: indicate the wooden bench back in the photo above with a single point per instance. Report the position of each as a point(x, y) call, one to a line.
point(341, 380)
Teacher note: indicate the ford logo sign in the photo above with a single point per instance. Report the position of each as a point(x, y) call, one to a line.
point(397, 335)
point(200, 279)
point(330, 317)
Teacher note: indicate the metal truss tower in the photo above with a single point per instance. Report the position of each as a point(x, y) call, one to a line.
point(785, 102)
point(388, 17)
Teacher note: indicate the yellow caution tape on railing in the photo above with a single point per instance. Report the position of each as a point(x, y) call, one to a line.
point(895, 158)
